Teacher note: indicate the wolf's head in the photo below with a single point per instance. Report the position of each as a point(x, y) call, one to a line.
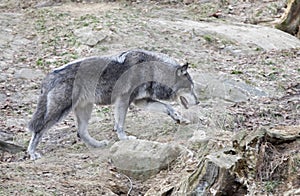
point(184, 87)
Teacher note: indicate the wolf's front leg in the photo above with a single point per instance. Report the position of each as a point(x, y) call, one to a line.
point(156, 106)
point(121, 107)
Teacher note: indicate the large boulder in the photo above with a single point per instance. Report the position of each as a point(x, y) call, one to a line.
point(249, 37)
point(141, 159)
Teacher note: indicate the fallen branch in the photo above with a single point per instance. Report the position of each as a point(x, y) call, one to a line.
point(10, 148)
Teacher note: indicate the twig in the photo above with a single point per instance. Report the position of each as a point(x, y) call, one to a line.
point(131, 186)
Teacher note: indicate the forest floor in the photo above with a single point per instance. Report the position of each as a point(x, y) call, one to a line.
point(35, 38)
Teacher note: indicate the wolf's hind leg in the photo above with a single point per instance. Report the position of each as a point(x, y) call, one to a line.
point(83, 114)
point(35, 139)
point(157, 106)
point(47, 114)
point(39, 127)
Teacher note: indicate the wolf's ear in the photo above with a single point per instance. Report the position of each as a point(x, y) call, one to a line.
point(183, 69)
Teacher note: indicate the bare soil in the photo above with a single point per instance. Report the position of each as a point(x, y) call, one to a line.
point(42, 38)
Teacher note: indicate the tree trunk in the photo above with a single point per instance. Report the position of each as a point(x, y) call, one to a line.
point(247, 163)
point(290, 21)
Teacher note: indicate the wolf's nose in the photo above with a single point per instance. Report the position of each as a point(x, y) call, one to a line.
point(197, 102)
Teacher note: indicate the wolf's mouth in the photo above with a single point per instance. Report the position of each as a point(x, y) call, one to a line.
point(184, 102)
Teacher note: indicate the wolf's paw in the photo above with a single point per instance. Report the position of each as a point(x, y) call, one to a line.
point(102, 143)
point(97, 144)
point(184, 121)
point(105, 142)
point(35, 156)
point(130, 137)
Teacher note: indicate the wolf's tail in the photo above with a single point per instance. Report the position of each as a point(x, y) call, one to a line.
point(53, 105)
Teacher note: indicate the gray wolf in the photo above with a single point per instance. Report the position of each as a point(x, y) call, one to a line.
point(136, 76)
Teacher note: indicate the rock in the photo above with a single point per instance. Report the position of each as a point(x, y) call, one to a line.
point(27, 98)
point(3, 78)
point(30, 74)
point(10, 122)
point(225, 158)
point(292, 192)
point(18, 42)
point(217, 86)
point(199, 138)
point(250, 37)
point(287, 133)
point(48, 3)
point(4, 136)
point(141, 159)
point(2, 97)
point(88, 36)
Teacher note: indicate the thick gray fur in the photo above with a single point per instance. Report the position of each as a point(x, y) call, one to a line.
point(136, 76)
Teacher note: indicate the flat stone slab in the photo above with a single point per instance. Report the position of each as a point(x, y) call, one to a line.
point(251, 36)
point(210, 85)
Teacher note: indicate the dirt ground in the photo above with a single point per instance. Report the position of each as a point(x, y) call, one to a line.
point(41, 37)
